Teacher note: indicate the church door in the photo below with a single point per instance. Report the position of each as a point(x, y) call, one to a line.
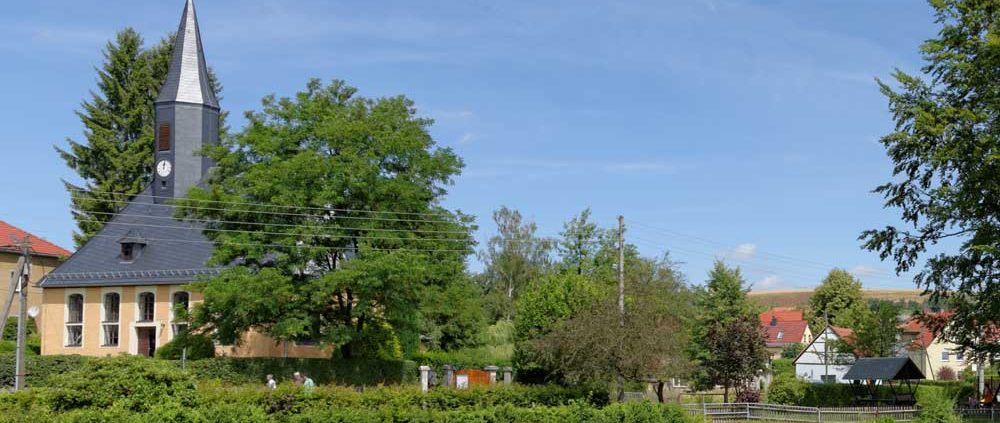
point(147, 341)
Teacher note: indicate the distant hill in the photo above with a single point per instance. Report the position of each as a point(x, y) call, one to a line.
point(800, 297)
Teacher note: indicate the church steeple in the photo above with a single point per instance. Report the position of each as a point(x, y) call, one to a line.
point(187, 115)
point(187, 80)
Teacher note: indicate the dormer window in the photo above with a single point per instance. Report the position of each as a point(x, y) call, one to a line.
point(131, 246)
point(127, 250)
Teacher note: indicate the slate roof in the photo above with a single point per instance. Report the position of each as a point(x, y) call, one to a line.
point(39, 246)
point(884, 368)
point(175, 251)
point(187, 79)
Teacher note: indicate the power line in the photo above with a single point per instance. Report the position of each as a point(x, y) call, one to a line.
point(291, 225)
point(269, 213)
point(292, 234)
point(302, 246)
point(325, 209)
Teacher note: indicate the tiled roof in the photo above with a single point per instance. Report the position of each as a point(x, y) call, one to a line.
point(39, 246)
point(782, 314)
point(843, 333)
point(922, 336)
point(175, 251)
point(786, 333)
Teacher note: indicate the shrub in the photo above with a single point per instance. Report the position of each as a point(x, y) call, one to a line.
point(782, 367)
point(936, 406)
point(946, 373)
point(748, 395)
point(135, 383)
point(198, 347)
point(787, 390)
point(39, 368)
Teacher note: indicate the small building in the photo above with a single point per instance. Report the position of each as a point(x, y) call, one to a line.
point(899, 374)
point(45, 256)
point(784, 326)
point(931, 353)
point(821, 362)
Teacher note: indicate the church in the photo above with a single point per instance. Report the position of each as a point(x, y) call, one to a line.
point(117, 294)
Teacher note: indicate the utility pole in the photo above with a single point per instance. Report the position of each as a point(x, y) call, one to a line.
point(22, 311)
point(621, 296)
point(621, 270)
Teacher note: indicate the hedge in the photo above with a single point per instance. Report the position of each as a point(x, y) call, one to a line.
point(138, 389)
point(235, 371)
point(793, 391)
point(324, 371)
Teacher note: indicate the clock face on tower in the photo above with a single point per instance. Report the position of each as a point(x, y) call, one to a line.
point(163, 168)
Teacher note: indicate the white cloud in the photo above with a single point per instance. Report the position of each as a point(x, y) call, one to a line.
point(744, 251)
point(768, 282)
point(467, 138)
point(863, 270)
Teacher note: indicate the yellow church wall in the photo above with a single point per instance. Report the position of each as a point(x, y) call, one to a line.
point(52, 322)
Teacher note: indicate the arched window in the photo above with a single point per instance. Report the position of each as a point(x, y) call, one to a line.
point(147, 303)
point(181, 301)
point(112, 307)
point(74, 320)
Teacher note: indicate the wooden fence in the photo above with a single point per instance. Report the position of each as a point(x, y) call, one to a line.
point(788, 413)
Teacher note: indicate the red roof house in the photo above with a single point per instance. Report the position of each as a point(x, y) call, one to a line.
point(784, 326)
point(39, 246)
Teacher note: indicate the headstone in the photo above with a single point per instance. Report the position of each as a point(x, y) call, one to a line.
point(508, 375)
point(492, 370)
point(449, 375)
point(425, 378)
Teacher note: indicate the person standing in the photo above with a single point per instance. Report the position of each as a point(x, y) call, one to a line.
point(297, 378)
point(307, 383)
point(271, 383)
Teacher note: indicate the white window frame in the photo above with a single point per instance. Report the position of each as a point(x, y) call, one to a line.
point(104, 317)
point(174, 326)
point(83, 316)
point(945, 356)
point(138, 305)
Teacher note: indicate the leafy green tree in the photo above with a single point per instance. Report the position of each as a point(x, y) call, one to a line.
point(513, 257)
point(594, 346)
point(453, 315)
point(116, 159)
point(586, 248)
point(722, 302)
point(839, 298)
point(944, 183)
point(791, 350)
point(329, 203)
point(876, 332)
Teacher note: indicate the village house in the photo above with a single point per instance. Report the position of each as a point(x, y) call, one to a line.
point(820, 361)
point(45, 256)
point(931, 353)
point(784, 326)
point(118, 292)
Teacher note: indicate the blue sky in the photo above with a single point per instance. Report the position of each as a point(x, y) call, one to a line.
point(731, 129)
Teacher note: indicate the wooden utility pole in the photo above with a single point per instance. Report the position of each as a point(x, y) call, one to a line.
point(19, 287)
point(621, 297)
point(621, 270)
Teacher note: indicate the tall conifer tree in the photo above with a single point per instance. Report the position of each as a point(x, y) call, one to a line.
point(116, 160)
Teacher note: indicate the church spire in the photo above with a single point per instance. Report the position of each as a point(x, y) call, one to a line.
point(187, 79)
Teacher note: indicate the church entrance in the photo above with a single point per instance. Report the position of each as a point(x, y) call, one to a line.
point(147, 341)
